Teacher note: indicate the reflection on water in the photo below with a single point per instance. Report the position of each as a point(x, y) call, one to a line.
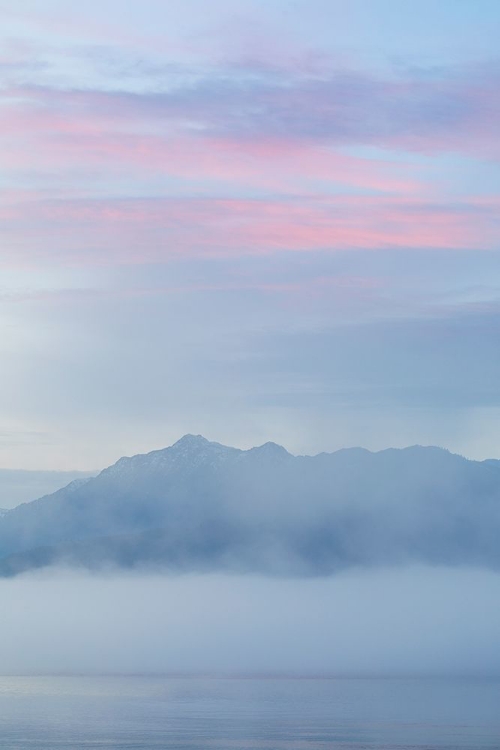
point(139, 713)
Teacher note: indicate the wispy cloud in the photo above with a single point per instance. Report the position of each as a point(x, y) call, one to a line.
point(451, 110)
point(146, 230)
point(249, 162)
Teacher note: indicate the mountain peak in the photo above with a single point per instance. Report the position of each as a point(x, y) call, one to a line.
point(270, 450)
point(272, 447)
point(197, 450)
point(191, 441)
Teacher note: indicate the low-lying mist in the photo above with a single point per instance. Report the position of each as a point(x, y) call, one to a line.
point(415, 620)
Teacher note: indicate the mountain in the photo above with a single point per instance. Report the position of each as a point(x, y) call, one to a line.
point(20, 486)
point(199, 505)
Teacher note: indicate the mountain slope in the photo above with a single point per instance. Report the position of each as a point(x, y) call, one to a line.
point(21, 486)
point(200, 505)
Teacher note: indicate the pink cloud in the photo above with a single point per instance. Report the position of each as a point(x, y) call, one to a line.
point(45, 140)
point(286, 145)
point(451, 110)
point(79, 231)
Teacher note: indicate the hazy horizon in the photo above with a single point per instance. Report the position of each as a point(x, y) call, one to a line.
point(150, 623)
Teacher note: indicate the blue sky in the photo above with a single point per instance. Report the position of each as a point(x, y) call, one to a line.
point(262, 221)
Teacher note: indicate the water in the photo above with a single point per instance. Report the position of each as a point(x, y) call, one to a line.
point(143, 713)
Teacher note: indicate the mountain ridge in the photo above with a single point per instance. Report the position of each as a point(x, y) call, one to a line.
point(198, 502)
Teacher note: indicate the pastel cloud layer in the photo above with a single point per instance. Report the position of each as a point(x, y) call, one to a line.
point(276, 155)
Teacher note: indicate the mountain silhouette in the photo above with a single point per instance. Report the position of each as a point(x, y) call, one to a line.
point(199, 505)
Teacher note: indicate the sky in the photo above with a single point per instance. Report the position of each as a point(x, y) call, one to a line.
point(255, 221)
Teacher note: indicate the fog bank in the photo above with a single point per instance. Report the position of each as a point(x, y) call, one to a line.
point(414, 620)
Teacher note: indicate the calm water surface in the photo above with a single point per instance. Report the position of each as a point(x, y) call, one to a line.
point(138, 713)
